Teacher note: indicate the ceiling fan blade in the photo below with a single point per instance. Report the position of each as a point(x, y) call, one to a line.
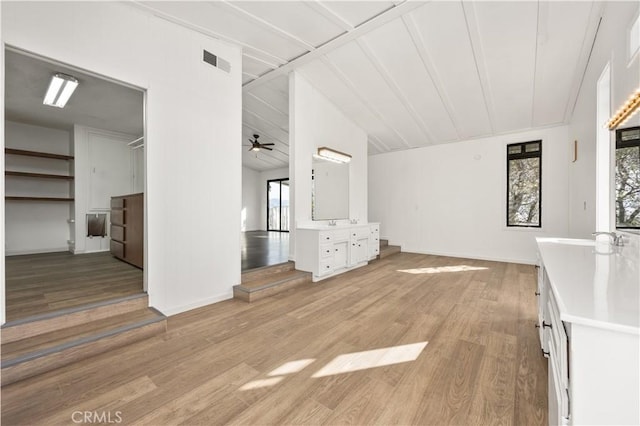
point(263, 144)
point(267, 148)
point(250, 149)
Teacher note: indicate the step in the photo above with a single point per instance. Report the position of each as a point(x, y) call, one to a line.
point(388, 250)
point(383, 243)
point(44, 352)
point(271, 284)
point(39, 324)
point(257, 273)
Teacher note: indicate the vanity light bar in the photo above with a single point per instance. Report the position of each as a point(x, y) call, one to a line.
point(60, 90)
point(332, 154)
point(626, 111)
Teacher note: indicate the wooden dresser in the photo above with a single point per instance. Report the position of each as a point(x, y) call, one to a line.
point(127, 228)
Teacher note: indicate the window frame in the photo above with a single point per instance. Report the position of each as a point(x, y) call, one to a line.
point(622, 144)
point(520, 156)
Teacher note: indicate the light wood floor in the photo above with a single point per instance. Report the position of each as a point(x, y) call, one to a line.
point(314, 355)
point(41, 283)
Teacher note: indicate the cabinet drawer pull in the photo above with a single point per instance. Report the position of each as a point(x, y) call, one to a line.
point(545, 353)
point(537, 293)
point(544, 324)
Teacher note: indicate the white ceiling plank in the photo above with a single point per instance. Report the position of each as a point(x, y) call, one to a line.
point(265, 111)
point(173, 15)
point(256, 121)
point(295, 19)
point(330, 14)
point(336, 90)
point(369, 25)
point(268, 104)
point(273, 96)
point(590, 34)
point(427, 62)
point(349, 83)
point(268, 26)
point(503, 38)
point(394, 87)
point(246, 56)
point(452, 60)
point(357, 12)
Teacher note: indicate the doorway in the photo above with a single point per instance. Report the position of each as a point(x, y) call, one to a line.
point(63, 166)
point(278, 205)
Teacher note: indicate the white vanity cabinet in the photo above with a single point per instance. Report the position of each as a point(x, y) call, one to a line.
point(326, 251)
point(589, 324)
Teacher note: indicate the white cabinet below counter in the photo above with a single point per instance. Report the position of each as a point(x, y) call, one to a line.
point(328, 251)
point(589, 323)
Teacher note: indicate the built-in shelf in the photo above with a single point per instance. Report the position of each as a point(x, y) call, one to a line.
point(38, 175)
point(54, 199)
point(37, 154)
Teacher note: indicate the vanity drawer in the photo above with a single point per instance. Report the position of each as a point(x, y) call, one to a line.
point(326, 267)
point(326, 237)
point(359, 233)
point(117, 203)
point(326, 250)
point(558, 342)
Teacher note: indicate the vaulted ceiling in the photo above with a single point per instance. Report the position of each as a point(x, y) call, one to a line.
point(410, 73)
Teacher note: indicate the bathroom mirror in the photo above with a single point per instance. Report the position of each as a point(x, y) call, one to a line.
point(330, 190)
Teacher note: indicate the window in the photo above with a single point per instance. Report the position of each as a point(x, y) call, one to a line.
point(524, 184)
point(628, 178)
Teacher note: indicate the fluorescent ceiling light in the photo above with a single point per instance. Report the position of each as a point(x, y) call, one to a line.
point(333, 155)
point(60, 90)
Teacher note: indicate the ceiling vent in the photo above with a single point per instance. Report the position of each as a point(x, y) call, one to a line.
point(216, 61)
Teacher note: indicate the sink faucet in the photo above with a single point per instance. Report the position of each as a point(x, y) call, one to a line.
point(332, 223)
point(617, 239)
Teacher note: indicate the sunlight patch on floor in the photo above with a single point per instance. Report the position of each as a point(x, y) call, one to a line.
point(262, 383)
point(291, 367)
point(440, 269)
point(357, 361)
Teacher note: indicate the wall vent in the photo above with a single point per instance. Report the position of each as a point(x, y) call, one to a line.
point(216, 61)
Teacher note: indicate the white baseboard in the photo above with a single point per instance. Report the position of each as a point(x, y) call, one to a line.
point(472, 256)
point(90, 251)
point(175, 310)
point(36, 251)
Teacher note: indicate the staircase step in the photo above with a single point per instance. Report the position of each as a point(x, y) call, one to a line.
point(383, 243)
point(56, 348)
point(388, 250)
point(253, 274)
point(270, 284)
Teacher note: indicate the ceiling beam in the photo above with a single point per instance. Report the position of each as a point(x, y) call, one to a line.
point(370, 25)
point(267, 104)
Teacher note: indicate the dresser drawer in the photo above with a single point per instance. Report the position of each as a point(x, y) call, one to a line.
point(326, 267)
point(117, 249)
point(117, 203)
point(117, 233)
point(118, 217)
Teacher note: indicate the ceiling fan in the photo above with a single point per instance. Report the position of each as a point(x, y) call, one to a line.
point(257, 146)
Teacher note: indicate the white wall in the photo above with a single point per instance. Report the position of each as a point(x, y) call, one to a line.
point(314, 122)
point(251, 200)
point(611, 46)
point(104, 166)
point(192, 141)
point(37, 227)
point(450, 199)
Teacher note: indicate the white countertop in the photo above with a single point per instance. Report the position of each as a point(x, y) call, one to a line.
point(595, 285)
point(338, 226)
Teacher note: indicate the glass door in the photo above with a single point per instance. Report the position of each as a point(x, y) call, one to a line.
point(278, 205)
